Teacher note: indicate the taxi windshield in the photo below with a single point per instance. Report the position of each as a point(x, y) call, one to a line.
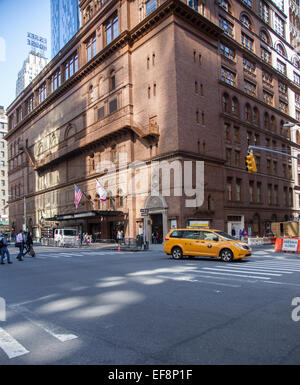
point(225, 236)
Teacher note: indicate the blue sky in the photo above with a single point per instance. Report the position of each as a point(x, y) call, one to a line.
point(16, 19)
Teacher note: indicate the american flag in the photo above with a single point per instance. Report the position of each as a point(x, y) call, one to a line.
point(77, 195)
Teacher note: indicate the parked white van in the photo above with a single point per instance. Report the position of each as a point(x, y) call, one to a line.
point(64, 237)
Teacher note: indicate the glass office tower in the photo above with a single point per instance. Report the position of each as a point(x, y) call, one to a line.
point(64, 23)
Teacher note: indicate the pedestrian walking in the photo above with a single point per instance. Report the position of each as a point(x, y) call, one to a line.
point(29, 245)
point(4, 250)
point(233, 232)
point(20, 244)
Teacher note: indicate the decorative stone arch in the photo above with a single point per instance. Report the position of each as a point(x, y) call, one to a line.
point(295, 61)
point(246, 16)
point(265, 36)
point(70, 132)
point(280, 48)
point(53, 141)
point(157, 205)
point(40, 149)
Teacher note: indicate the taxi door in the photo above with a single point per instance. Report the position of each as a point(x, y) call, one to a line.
point(209, 245)
point(191, 242)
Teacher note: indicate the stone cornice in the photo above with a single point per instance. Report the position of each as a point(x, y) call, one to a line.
point(175, 7)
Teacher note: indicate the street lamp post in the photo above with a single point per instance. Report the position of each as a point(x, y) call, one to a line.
point(291, 125)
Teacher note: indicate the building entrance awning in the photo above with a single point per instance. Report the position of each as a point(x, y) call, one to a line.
point(85, 215)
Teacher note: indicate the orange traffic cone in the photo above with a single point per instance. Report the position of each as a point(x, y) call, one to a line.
point(119, 248)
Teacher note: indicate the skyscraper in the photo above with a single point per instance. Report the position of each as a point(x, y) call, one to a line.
point(3, 171)
point(32, 66)
point(64, 23)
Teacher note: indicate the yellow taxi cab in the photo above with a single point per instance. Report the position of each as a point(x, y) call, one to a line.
point(205, 242)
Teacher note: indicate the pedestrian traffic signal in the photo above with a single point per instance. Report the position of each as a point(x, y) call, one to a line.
point(250, 163)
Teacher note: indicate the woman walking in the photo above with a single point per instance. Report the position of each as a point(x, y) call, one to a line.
point(20, 245)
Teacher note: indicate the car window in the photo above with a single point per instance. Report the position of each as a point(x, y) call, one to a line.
point(207, 235)
point(176, 234)
point(190, 234)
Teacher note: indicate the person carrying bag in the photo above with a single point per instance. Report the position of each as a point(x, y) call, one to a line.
point(29, 245)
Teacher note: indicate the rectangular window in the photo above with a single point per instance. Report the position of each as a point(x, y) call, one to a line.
point(111, 30)
point(279, 25)
point(151, 5)
point(267, 78)
point(297, 100)
point(249, 88)
point(269, 194)
point(282, 88)
point(228, 156)
point(237, 158)
point(229, 189)
point(265, 55)
point(284, 107)
point(258, 192)
point(227, 76)
point(268, 98)
point(227, 52)
point(276, 196)
point(281, 67)
point(247, 42)
point(238, 190)
point(264, 12)
point(248, 65)
point(227, 131)
point(237, 134)
point(113, 106)
point(251, 191)
point(296, 78)
point(226, 26)
point(91, 47)
point(100, 113)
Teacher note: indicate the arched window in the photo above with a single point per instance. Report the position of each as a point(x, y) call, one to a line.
point(295, 61)
point(225, 4)
point(91, 94)
point(280, 49)
point(273, 123)
point(112, 80)
point(248, 114)
point(266, 121)
point(256, 116)
point(235, 106)
point(246, 21)
point(264, 37)
point(225, 103)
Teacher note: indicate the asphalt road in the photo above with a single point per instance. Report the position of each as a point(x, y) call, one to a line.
point(71, 306)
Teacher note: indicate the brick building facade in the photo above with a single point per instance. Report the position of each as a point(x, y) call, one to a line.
point(156, 81)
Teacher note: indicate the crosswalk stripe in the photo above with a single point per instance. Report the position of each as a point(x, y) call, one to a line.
point(55, 331)
point(236, 275)
point(240, 271)
point(266, 269)
point(10, 346)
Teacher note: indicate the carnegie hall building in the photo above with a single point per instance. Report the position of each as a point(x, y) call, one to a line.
point(170, 81)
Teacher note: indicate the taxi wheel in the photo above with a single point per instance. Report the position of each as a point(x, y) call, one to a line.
point(177, 253)
point(226, 255)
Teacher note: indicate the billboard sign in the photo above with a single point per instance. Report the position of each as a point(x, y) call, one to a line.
point(36, 42)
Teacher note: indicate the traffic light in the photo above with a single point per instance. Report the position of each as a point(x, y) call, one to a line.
point(250, 163)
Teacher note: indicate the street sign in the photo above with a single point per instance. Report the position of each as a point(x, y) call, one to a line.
point(144, 212)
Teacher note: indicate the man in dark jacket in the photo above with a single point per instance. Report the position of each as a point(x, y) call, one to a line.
point(4, 250)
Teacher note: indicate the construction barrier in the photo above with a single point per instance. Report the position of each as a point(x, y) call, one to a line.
point(259, 241)
point(287, 245)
